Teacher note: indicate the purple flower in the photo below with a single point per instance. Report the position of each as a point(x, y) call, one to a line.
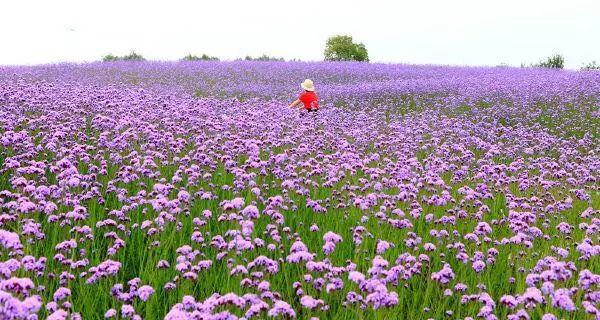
point(61, 294)
point(110, 313)
point(561, 299)
point(144, 292)
point(310, 302)
point(281, 308)
point(478, 266)
point(444, 276)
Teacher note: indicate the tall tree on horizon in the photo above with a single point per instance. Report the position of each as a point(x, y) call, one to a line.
point(342, 48)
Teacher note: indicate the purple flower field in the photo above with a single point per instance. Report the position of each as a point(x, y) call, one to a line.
point(190, 191)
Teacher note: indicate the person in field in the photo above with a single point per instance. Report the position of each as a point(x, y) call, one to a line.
point(308, 98)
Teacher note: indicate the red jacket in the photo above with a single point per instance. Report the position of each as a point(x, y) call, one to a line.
point(310, 100)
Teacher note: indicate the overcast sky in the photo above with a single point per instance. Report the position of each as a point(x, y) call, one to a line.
point(457, 32)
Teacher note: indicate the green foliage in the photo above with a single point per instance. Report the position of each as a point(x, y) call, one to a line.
point(342, 48)
point(264, 57)
point(132, 56)
point(591, 66)
point(556, 61)
point(203, 57)
point(109, 57)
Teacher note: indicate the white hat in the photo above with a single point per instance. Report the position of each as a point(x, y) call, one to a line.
point(308, 85)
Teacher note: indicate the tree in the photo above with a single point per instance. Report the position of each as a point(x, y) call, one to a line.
point(556, 61)
point(342, 48)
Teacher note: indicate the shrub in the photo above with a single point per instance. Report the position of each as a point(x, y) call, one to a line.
point(342, 48)
point(109, 57)
point(591, 66)
point(264, 57)
point(203, 57)
point(132, 56)
point(556, 61)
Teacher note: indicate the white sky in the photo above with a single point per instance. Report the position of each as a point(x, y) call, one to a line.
point(459, 32)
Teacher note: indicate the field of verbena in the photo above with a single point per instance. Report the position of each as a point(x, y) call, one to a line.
point(190, 191)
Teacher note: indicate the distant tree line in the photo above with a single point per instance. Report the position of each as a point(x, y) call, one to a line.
point(557, 61)
point(133, 56)
point(343, 48)
point(337, 48)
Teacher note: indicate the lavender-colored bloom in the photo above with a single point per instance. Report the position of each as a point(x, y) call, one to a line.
point(310, 302)
point(561, 298)
point(281, 308)
point(478, 266)
point(61, 294)
point(110, 313)
point(444, 276)
point(144, 292)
